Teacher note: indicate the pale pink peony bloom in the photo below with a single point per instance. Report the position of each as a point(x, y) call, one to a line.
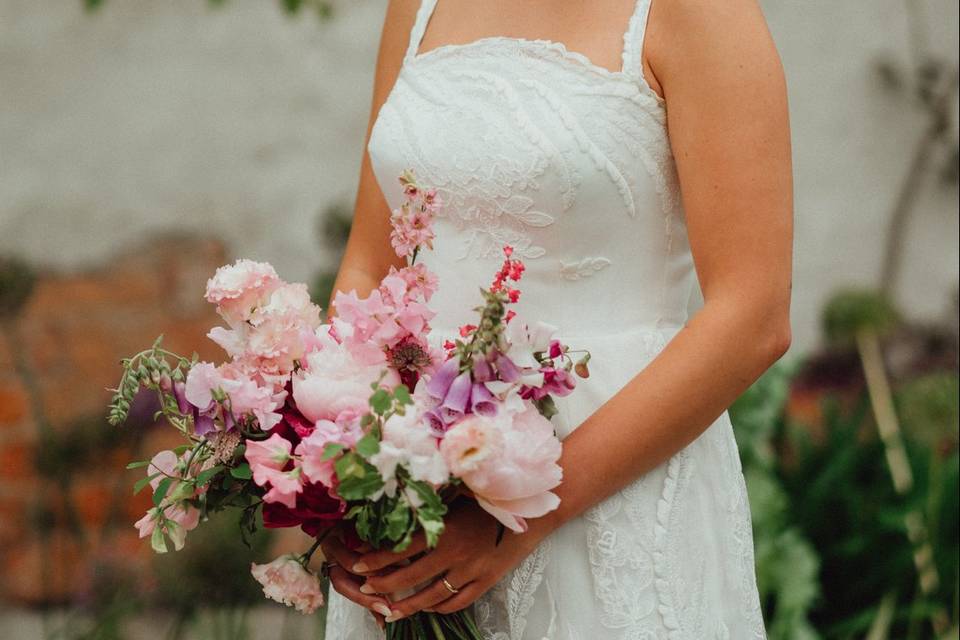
point(334, 381)
point(239, 288)
point(268, 461)
point(286, 581)
point(509, 462)
point(408, 441)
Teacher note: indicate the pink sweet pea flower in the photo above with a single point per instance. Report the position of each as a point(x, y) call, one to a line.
point(509, 462)
point(268, 461)
point(346, 431)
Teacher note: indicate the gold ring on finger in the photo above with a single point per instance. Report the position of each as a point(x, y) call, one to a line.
point(450, 587)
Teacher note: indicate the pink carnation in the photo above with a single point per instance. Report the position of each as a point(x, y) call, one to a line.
point(288, 582)
point(239, 288)
point(509, 462)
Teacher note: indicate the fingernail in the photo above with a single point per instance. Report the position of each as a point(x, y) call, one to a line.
point(394, 616)
point(361, 567)
point(366, 589)
point(382, 609)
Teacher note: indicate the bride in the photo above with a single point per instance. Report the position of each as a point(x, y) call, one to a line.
point(629, 151)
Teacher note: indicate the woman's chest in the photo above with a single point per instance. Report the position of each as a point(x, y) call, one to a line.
point(520, 137)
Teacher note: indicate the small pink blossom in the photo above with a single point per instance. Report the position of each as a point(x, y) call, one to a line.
point(286, 581)
point(346, 431)
point(174, 521)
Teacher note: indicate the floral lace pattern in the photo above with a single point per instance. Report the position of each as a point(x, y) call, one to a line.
point(533, 145)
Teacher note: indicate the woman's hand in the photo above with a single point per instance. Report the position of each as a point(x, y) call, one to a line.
point(348, 584)
point(467, 556)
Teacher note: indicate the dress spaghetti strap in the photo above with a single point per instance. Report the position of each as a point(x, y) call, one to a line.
point(633, 39)
point(419, 27)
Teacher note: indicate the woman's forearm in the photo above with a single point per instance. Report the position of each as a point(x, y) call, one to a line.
point(351, 278)
point(666, 406)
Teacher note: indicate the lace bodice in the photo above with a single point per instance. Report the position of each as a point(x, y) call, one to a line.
point(533, 145)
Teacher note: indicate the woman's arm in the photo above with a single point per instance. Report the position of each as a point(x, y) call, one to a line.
point(368, 255)
point(727, 117)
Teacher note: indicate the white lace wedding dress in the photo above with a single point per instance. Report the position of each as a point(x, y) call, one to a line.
point(535, 146)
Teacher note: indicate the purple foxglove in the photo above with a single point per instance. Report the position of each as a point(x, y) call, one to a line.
point(481, 400)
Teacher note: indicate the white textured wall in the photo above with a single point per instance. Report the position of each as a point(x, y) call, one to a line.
point(157, 114)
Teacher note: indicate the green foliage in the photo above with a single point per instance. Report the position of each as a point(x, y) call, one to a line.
point(787, 563)
point(213, 570)
point(854, 310)
point(831, 546)
point(396, 514)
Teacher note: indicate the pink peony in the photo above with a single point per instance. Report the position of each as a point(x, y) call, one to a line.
point(334, 381)
point(269, 461)
point(239, 288)
point(509, 462)
point(287, 581)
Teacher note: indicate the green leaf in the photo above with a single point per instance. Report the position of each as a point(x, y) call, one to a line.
point(142, 482)
point(368, 445)
point(380, 401)
point(331, 450)
point(432, 528)
point(359, 488)
point(161, 491)
point(358, 478)
point(205, 476)
point(398, 521)
point(402, 395)
point(241, 471)
point(138, 465)
point(157, 541)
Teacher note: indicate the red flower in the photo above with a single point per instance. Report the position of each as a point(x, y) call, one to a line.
point(316, 510)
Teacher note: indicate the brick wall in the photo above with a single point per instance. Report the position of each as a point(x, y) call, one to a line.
point(66, 504)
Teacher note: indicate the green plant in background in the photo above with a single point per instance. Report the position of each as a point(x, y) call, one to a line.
point(787, 564)
point(835, 515)
point(208, 583)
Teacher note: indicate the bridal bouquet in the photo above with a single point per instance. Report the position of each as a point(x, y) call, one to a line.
point(356, 427)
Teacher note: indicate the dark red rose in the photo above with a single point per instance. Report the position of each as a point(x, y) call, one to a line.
point(315, 511)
